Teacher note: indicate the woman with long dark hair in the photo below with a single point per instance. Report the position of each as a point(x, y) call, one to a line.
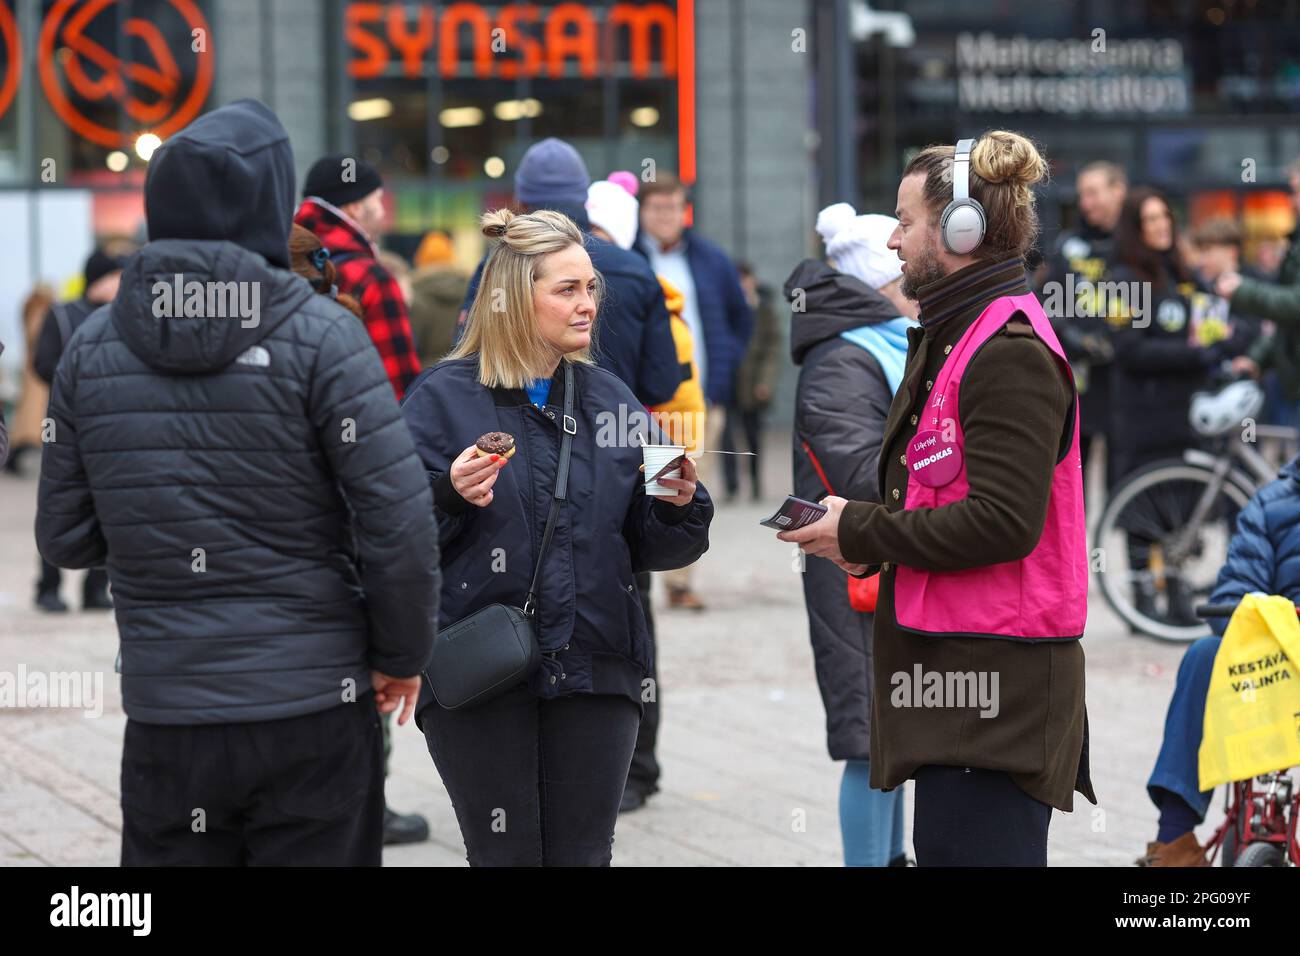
point(1159, 364)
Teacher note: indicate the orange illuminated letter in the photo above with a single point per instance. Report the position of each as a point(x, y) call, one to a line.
point(639, 21)
point(530, 53)
point(411, 45)
point(453, 18)
point(375, 58)
point(561, 45)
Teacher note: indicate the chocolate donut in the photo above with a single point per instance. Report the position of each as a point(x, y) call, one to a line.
point(495, 443)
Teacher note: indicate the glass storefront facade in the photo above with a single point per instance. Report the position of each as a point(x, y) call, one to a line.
point(1197, 98)
point(442, 98)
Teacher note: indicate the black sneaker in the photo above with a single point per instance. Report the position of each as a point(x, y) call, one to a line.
point(1182, 603)
point(633, 799)
point(404, 828)
point(50, 602)
point(12, 463)
point(97, 602)
point(1144, 597)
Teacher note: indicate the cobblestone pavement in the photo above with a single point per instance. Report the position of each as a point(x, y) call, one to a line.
point(742, 740)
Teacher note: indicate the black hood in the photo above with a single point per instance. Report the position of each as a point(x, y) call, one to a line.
point(198, 344)
point(229, 176)
point(833, 302)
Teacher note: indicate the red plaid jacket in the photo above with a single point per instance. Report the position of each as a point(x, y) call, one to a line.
point(359, 275)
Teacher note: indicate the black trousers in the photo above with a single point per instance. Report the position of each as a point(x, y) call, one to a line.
point(971, 817)
point(535, 782)
point(94, 584)
point(748, 422)
point(306, 791)
point(643, 775)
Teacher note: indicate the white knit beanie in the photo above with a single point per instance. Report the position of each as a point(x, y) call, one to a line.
point(614, 209)
point(834, 218)
point(860, 249)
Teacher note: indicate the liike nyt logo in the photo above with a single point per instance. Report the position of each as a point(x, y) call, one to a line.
point(103, 909)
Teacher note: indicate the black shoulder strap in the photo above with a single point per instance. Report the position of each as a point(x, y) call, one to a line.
point(63, 323)
point(569, 428)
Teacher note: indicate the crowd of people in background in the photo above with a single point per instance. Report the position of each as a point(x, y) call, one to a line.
point(394, 528)
point(1207, 315)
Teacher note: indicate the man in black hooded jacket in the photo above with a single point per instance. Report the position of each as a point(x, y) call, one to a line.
point(102, 274)
point(227, 444)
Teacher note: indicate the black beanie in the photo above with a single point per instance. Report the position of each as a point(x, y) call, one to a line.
point(341, 179)
point(101, 264)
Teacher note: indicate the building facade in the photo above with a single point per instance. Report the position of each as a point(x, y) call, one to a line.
point(443, 98)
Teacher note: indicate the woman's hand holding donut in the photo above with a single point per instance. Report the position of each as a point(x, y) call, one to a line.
point(473, 475)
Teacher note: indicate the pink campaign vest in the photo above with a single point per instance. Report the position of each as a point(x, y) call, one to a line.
point(1043, 597)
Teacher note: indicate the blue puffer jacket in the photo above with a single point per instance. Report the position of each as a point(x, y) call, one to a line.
point(1264, 554)
point(589, 620)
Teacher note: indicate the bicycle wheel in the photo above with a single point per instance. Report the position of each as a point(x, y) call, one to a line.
point(1261, 854)
point(1228, 853)
point(1148, 551)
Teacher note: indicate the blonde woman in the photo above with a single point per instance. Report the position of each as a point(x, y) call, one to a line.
point(536, 774)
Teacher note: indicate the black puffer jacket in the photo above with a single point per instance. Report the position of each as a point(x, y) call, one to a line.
point(50, 343)
point(1157, 371)
point(249, 484)
point(841, 403)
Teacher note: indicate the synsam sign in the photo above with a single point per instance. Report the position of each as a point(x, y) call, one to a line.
point(525, 40)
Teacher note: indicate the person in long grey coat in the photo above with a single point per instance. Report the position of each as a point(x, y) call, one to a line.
point(848, 337)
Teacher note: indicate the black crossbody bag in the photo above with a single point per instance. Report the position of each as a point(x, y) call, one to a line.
point(484, 655)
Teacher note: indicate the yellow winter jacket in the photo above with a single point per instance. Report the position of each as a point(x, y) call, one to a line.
point(681, 418)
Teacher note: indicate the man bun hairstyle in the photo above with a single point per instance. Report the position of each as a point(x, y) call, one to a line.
point(1004, 168)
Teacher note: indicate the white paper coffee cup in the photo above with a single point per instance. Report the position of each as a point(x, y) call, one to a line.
point(655, 457)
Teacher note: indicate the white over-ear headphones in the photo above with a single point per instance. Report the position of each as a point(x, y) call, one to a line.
point(962, 222)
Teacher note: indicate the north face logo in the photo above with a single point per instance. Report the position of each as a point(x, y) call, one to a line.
point(257, 356)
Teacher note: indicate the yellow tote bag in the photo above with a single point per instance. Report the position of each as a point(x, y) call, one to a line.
point(1252, 711)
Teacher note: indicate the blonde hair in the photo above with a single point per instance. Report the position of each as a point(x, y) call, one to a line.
point(510, 348)
point(1004, 166)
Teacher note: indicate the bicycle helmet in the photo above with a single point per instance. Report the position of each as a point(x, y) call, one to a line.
point(1217, 413)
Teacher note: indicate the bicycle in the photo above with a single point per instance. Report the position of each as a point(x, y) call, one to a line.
point(1260, 814)
point(1173, 518)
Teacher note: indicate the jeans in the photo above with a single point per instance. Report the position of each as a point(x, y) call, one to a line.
point(1177, 768)
point(304, 791)
point(535, 782)
point(871, 821)
point(966, 816)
